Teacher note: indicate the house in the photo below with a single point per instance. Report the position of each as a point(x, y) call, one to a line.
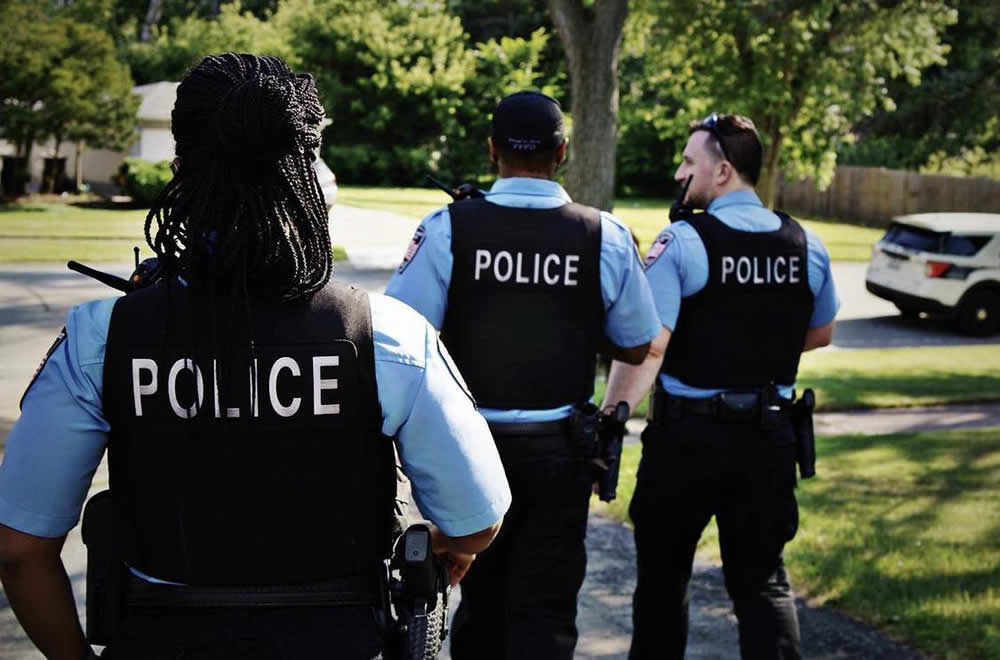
point(154, 141)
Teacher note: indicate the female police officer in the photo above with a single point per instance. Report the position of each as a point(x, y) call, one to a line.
point(247, 404)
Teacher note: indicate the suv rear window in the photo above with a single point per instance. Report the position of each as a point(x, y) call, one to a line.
point(925, 240)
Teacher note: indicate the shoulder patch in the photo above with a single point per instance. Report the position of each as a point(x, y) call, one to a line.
point(455, 373)
point(658, 246)
point(60, 338)
point(413, 247)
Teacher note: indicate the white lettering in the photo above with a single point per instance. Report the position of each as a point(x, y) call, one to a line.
point(571, 268)
point(551, 259)
point(138, 389)
point(483, 258)
point(538, 258)
point(518, 277)
point(215, 386)
point(272, 386)
point(728, 266)
point(320, 383)
point(175, 370)
point(793, 270)
point(741, 276)
point(503, 254)
point(779, 274)
point(757, 279)
point(254, 390)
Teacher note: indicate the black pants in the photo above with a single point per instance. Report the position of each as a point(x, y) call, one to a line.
point(253, 633)
point(694, 467)
point(519, 597)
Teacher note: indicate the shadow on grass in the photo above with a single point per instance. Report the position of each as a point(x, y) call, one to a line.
point(918, 556)
point(852, 389)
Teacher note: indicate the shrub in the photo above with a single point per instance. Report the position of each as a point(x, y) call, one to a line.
point(143, 179)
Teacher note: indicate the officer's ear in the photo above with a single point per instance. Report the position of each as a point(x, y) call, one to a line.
point(724, 173)
point(561, 152)
point(493, 150)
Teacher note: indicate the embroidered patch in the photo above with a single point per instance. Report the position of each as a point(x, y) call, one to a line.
point(60, 338)
point(411, 250)
point(658, 246)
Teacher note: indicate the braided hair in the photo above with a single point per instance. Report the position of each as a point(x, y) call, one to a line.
point(244, 212)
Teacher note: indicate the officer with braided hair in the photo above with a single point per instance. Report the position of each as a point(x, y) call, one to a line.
point(525, 286)
point(249, 407)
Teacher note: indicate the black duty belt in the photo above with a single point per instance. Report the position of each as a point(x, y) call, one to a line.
point(737, 406)
point(554, 427)
point(340, 592)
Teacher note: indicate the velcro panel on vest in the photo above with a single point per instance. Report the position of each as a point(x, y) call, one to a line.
point(525, 314)
point(232, 471)
point(746, 328)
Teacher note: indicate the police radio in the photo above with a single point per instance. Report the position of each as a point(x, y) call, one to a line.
point(680, 210)
point(146, 273)
point(460, 192)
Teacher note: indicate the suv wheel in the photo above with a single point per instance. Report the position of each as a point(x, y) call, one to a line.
point(979, 313)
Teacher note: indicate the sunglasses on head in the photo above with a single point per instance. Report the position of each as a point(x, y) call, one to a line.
point(710, 124)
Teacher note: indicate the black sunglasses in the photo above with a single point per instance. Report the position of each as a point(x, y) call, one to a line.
point(710, 124)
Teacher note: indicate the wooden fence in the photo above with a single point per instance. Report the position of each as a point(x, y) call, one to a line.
point(873, 195)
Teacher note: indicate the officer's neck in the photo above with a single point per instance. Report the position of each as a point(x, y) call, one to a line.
point(511, 172)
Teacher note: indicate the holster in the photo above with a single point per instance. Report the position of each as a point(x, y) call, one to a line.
point(584, 427)
point(106, 572)
point(802, 421)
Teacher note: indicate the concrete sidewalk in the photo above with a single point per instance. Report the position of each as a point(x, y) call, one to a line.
point(372, 239)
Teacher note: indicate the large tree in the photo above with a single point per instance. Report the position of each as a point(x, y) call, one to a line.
point(806, 71)
point(591, 34)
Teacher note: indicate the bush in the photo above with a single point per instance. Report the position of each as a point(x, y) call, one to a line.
point(143, 179)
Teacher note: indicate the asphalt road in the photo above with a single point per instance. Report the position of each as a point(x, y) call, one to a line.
point(34, 301)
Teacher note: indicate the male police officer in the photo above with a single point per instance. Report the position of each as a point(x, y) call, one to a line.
point(249, 407)
point(741, 293)
point(524, 285)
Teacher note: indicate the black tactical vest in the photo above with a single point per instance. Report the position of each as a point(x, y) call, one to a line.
point(525, 315)
point(223, 475)
point(746, 328)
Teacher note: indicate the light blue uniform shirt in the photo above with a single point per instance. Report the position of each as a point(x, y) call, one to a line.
point(630, 316)
point(445, 446)
point(681, 270)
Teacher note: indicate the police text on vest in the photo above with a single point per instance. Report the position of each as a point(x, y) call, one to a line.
point(146, 383)
point(762, 270)
point(521, 268)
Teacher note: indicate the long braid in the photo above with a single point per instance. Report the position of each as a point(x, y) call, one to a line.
point(245, 196)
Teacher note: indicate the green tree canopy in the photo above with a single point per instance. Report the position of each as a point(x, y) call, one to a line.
point(806, 71)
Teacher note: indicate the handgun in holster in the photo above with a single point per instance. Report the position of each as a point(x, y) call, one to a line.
point(802, 420)
point(584, 424)
point(611, 436)
point(106, 571)
point(418, 589)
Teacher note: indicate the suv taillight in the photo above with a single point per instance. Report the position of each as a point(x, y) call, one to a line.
point(937, 268)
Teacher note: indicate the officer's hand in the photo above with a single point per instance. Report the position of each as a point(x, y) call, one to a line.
point(458, 562)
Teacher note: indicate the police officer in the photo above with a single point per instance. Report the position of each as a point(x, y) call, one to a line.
point(741, 291)
point(524, 285)
point(249, 407)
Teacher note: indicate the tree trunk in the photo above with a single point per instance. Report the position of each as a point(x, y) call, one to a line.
point(153, 13)
point(767, 187)
point(78, 166)
point(592, 38)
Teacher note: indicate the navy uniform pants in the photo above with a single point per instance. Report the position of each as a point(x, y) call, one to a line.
point(519, 597)
point(251, 633)
point(694, 467)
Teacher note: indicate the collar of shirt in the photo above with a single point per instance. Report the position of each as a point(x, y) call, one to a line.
point(743, 210)
point(527, 193)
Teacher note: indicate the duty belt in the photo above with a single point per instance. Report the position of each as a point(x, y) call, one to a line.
point(354, 590)
point(736, 406)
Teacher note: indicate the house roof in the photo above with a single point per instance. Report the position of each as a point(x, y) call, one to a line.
point(157, 100)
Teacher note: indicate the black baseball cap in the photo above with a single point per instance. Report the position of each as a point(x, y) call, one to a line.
point(527, 122)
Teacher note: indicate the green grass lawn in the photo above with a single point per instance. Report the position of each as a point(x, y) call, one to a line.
point(645, 216)
point(47, 232)
point(887, 377)
point(899, 530)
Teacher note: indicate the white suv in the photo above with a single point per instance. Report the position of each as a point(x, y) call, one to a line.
point(941, 263)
